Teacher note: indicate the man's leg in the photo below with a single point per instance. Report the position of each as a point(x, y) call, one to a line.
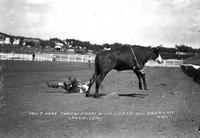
point(54, 85)
point(89, 64)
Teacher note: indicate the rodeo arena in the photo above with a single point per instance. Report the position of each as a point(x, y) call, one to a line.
point(69, 89)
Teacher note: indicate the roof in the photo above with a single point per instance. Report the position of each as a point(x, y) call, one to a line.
point(57, 46)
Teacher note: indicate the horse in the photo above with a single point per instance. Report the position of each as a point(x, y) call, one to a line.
point(124, 58)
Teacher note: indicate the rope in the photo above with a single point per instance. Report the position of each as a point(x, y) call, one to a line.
point(135, 57)
point(115, 57)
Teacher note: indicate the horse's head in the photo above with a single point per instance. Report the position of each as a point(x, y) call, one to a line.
point(156, 55)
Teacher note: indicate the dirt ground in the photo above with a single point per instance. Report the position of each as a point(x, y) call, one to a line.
point(29, 109)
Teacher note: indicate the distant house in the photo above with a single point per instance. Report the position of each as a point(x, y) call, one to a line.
point(70, 51)
point(90, 52)
point(7, 40)
point(31, 41)
point(59, 44)
point(16, 41)
point(57, 47)
point(69, 46)
point(2, 38)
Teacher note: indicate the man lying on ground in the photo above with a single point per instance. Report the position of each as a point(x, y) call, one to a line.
point(72, 85)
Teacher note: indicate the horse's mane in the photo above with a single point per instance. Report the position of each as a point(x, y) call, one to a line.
point(137, 46)
point(125, 46)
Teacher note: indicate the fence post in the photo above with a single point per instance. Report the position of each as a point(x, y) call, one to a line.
point(47, 57)
point(68, 58)
point(13, 55)
point(156, 63)
point(29, 57)
point(164, 63)
point(82, 58)
point(44, 57)
point(75, 57)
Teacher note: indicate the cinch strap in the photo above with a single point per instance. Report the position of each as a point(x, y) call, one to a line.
point(134, 57)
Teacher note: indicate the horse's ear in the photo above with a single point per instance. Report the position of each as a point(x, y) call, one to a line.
point(158, 47)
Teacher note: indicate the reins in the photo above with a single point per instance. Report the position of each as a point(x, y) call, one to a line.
point(135, 57)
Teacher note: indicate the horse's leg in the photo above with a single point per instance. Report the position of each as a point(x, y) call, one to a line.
point(99, 79)
point(139, 75)
point(97, 84)
point(144, 80)
point(87, 94)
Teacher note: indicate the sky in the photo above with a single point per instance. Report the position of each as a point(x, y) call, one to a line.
point(142, 22)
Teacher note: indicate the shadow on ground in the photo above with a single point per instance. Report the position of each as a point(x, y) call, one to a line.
point(99, 96)
point(134, 95)
point(63, 92)
point(75, 93)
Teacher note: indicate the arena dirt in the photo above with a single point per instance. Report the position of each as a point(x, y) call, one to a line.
point(169, 109)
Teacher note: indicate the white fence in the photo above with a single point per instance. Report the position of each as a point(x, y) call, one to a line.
point(15, 56)
point(166, 63)
point(47, 57)
point(76, 58)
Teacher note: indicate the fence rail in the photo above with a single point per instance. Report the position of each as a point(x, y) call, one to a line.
point(166, 63)
point(76, 58)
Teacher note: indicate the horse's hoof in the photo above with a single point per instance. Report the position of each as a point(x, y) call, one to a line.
point(140, 88)
point(87, 95)
point(96, 96)
point(146, 88)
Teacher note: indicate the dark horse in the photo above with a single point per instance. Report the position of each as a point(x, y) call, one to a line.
point(125, 58)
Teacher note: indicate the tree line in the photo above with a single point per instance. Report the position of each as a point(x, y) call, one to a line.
point(85, 46)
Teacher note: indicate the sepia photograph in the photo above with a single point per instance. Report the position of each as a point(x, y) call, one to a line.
point(99, 69)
